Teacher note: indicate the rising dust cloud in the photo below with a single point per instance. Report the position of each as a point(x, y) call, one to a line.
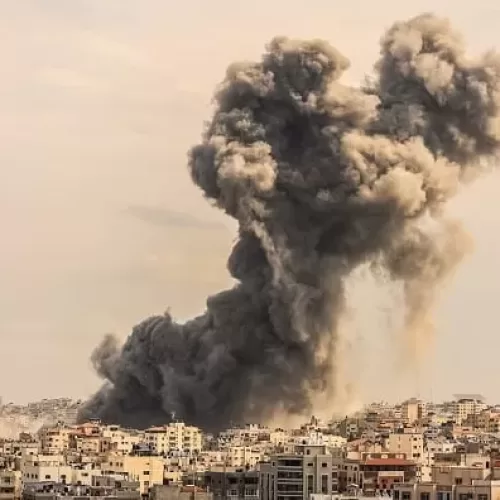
point(322, 178)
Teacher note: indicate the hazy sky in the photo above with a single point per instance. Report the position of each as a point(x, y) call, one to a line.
point(99, 102)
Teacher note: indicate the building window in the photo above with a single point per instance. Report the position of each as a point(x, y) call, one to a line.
point(458, 480)
point(482, 496)
point(310, 483)
point(424, 496)
point(405, 495)
point(395, 495)
point(324, 484)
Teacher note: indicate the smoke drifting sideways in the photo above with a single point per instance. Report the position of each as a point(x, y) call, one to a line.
point(322, 178)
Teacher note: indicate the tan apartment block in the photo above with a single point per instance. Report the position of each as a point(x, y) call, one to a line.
point(147, 470)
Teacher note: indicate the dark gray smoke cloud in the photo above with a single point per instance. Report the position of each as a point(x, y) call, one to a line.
point(322, 178)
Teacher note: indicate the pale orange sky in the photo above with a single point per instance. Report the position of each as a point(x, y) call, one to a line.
point(100, 100)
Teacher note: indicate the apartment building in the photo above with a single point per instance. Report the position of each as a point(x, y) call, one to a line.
point(146, 470)
point(84, 474)
point(413, 410)
point(351, 428)
point(409, 442)
point(318, 438)
point(232, 483)
point(462, 459)
point(486, 420)
point(106, 489)
point(452, 483)
point(243, 456)
point(10, 484)
point(464, 407)
point(36, 468)
point(118, 440)
point(176, 436)
point(88, 445)
point(309, 470)
point(278, 437)
point(435, 449)
point(178, 492)
point(55, 440)
point(458, 475)
point(376, 472)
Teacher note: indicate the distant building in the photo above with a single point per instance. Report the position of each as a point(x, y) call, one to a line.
point(413, 410)
point(465, 407)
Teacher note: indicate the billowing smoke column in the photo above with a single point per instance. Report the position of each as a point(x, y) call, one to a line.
point(322, 178)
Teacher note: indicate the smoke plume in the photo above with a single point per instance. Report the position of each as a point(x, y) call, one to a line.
point(321, 177)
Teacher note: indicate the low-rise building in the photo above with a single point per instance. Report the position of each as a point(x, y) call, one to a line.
point(107, 489)
point(36, 468)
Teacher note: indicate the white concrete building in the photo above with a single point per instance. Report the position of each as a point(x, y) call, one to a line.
point(120, 440)
point(438, 446)
point(243, 436)
point(37, 468)
point(84, 474)
point(176, 436)
point(243, 456)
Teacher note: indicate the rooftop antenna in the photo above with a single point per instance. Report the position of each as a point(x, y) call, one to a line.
point(172, 416)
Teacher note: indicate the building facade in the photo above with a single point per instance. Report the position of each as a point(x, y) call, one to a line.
point(311, 469)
